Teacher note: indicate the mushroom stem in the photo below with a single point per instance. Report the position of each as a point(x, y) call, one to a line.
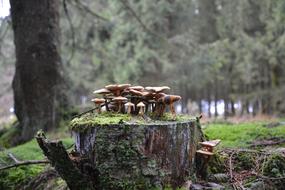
point(106, 104)
point(141, 111)
point(99, 108)
point(129, 109)
point(120, 107)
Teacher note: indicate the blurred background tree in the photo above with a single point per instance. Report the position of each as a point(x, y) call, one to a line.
point(222, 57)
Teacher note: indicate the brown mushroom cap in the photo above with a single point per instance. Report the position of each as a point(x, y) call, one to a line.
point(138, 88)
point(123, 86)
point(157, 89)
point(112, 87)
point(117, 88)
point(102, 91)
point(119, 99)
point(212, 143)
point(98, 100)
point(175, 98)
point(205, 152)
point(147, 95)
point(159, 95)
point(135, 92)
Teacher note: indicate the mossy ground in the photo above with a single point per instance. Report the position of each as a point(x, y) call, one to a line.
point(12, 178)
point(241, 135)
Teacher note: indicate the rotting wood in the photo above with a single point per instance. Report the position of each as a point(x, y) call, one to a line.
point(66, 168)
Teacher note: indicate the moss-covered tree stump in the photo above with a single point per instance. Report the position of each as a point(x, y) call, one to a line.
point(138, 155)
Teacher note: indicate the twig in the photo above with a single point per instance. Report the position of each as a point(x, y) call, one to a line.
point(88, 10)
point(13, 157)
point(23, 163)
point(231, 166)
point(267, 177)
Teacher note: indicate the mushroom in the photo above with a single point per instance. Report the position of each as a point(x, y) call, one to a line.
point(102, 91)
point(207, 151)
point(98, 102)
point(141, 107)
point(135, 92)
point(157, 89)
point(119, 100)
point(168, 100)
point(209, 145)
point(129, 106)
point(105, 92)
point(138, 88)
point(117, 88)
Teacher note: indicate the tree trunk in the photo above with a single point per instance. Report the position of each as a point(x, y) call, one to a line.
point(233, 110)
point(140, 156)
point(37, 83)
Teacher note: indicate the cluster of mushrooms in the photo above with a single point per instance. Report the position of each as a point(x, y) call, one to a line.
point(135, 100)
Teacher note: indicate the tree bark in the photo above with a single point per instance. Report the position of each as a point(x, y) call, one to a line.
point(66, 168)
point(37, 83)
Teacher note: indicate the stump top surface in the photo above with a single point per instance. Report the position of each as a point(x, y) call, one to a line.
point(95, 120)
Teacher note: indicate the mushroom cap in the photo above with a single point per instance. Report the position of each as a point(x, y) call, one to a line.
point(123, 86)
point(212, 143)
point(135, 92)
point(102, 91)
point(120, 99)
point(129, 104)
point(141, 104)
point(138, 88)
point(159, 95)
point(175, 97)
point(112, 87)
point(98, 100)
point(157, 89)
point(205, 152)
point(147, 95)
point(115, 87)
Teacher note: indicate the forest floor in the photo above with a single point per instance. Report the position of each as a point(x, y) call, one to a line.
point(251, 155)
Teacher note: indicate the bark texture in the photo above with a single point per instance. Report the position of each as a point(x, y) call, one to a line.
point(66, 168)
point(38, 78)
point(141, 156)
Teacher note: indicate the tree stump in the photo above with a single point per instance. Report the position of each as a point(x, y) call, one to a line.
point(140, 155)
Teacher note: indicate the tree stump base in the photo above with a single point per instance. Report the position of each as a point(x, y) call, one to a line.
point(140, 156)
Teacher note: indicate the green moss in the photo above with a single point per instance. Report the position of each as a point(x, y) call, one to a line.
point(169, 117)
point(274, 166)
point(107, 118)
point(93, 119)
point(217, 164)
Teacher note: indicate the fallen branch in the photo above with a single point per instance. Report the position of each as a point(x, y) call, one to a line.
point(24, 163)
point(267, 177)
point(267, 143)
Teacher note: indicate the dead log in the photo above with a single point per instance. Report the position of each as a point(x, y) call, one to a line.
point(66, 168)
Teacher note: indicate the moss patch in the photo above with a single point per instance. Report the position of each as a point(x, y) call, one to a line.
point(107, 118)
